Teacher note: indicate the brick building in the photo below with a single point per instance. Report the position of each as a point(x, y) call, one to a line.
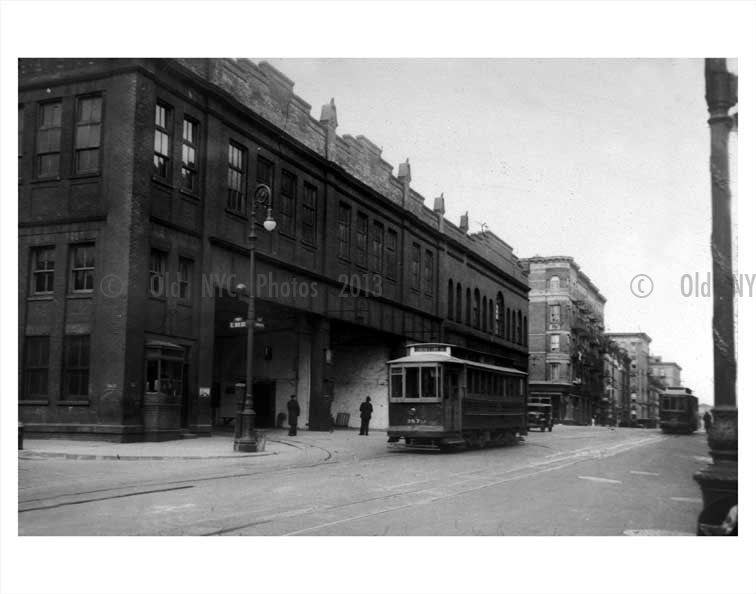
point(644, 389)
point(566, 325)
point(617, 384)
point(135, 185)
point(667, 372)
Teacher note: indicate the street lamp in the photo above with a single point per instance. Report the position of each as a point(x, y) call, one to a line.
point(246, 440)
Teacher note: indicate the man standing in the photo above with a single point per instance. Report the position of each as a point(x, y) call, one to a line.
point(293, 407)
point(707, 421)
point(366, 411)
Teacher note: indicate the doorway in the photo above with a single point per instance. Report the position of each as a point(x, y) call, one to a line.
point(264, 403)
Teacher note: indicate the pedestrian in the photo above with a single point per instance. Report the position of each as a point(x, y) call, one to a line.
point(293, 407)
point(707, 421)
point(366, 410)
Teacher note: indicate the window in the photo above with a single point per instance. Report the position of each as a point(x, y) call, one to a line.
point(415, 266)
point(82, 268)
point(288, 203)
point(490, 327)
point(185, 270)
point(412, 381)
point(76, 366)
point(396, 382)
point(554, 372)
point(484, 315)
point(87, 139)
point(36, 366)
point(309, 214)
point(157, 273)
point(265, 173)
point(189, 142)
point(519, 327)
point(161, 158)
point(48, 139)
point(237, 178)
point(499, 315)
point(391, 243)
point(458, 312)
point(476, 309)
point(376, 248)
point(43, 270)
point(467, 307)
point(450, 300)
point(20, 130)
point(345, 229)
point(554, 314)
point(525, 336)
point(361, 247)
point(554, 346)
point(164, 368)
point(429, 384)
point(554, 282)
point(428, 272)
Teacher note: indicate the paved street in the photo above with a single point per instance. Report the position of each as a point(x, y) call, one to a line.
point(574, 481)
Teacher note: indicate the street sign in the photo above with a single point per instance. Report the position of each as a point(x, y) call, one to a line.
point(237, 323)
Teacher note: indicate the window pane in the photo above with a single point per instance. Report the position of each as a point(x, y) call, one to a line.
point(412, 379)
point(396, 385)
point(429, 382)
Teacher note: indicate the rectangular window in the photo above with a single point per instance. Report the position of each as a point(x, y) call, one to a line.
point(412, 382)
point(237, 178)
point(309, 214)
point(43, 270)
point(396, 383)
point(361, 247)
point(554, 314)
point(76, 366)
point(162, 156)
point(554, 342)
point(345, 229)
point(554, 372)
point(429, 383)
point(157, 273)
point(391, 243)
point(48, 139)
point(87, 140)
point(36, 366)
point(265, 174)
point(288, 203)
point(415, 266)
point(82, 268)
point(189, 143)
point(185, 271)
point(20, 130)
point(428, 272)
point(376, 248)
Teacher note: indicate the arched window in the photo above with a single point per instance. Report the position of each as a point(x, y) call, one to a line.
point(484, 315)
point(467, 307)
point(519, 327)
point(513, 326)
point(450, 300)
point(507, 327)
point(525, 330)
point(459, 303)
point(476, 309)
point(554, 282)
point(490, 316)
point(500, 315)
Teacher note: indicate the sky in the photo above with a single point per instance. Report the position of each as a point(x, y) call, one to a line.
point(604, 160)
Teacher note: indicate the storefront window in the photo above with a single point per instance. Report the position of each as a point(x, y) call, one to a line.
point(164, 368)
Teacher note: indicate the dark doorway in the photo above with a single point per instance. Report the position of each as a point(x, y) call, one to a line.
point(264, 402)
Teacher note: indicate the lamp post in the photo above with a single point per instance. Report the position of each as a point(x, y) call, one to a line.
point(719, 480)
point(246, 440)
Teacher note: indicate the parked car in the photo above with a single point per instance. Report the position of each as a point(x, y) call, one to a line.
point(539, 415)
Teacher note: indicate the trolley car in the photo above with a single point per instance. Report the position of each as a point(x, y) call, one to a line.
point(441, 395)
point(678, 412)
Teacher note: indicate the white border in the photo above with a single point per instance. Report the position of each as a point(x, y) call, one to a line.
point(545, 29)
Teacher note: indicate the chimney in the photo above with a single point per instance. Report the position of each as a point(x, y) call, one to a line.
point(439, 209)
point(329, 121)
point(464, 223)
point(405, 177)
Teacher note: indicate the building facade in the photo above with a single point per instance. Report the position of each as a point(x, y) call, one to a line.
point(136, 184)
point(566, 325)
point(617, 384)
point(644, 388)
point(667, 372)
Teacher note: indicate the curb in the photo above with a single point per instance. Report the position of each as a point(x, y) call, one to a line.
point(31, 454)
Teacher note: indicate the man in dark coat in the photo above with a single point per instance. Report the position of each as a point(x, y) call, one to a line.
point(293, 407)
point(707, 421)
point(366, 410)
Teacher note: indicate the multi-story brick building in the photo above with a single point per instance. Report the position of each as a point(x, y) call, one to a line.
point(644, 393)
point(135, 186)
point(667, 372)
point(617, 384)
point(566, 322)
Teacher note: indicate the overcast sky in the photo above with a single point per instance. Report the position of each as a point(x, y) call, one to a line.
point(602, 160)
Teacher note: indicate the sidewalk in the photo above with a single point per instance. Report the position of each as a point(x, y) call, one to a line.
point(218, 446)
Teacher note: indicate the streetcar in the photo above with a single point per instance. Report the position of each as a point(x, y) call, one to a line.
point(678, 412)
point(441, 396)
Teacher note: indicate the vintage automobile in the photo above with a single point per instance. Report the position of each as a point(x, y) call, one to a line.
point(539, 413)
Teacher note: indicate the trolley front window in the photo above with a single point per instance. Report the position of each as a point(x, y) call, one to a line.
point(415, 382)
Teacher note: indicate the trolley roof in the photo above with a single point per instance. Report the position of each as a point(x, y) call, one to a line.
point(445, 357)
